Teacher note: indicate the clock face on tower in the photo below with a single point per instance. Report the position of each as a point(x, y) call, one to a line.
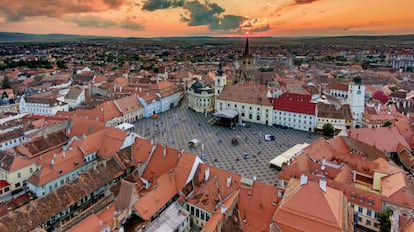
point(359, 92)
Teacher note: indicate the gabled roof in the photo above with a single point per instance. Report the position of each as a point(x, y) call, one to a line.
point(245, 93)
point(257, 206)
point(308, 208)
point(105, 142)
point(392, 183)
point(153, 201)
point(141, 149)
point(295, 103)
point(74, 93)
point(11, 163)
point(160, 164)
point(128, 104)
point(385, 138)
point(206, 194)
point(185, 169)
point(339, 86)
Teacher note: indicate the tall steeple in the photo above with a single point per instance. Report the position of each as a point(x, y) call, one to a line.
point(220, 70)
point(246, 52)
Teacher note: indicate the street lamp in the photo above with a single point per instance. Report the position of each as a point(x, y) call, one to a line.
point(245, 154)
point(203, 153)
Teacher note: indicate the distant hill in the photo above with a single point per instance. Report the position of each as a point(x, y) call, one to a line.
point(11, 37)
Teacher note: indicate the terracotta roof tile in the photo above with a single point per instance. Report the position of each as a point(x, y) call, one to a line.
point(257, 206)
point(160, 164)
point(384, 138)
point(297, 212)
point(207, 195)
point(150, 203)
point(245, 93)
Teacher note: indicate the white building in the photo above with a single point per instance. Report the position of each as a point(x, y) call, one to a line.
point(249, 100)
point(356, 100)
point(44, 105)
point(295, 111)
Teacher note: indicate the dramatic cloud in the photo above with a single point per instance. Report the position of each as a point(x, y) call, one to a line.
point(132, 26)
point(304, 1)
point(291, 4)
point(151, 5)
point(94, 21)
point(201, 14)
point(254, 25)
point(18, 10)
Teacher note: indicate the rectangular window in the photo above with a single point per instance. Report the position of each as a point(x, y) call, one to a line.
point(360, 209)
point(258, 117)
point(250, 116)
point(369, 212)
point(19, 175)
point(368, 222)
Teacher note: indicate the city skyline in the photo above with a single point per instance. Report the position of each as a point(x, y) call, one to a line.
point(159, 18)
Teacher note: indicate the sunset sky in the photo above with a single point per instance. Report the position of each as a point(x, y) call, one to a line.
point(154, 18)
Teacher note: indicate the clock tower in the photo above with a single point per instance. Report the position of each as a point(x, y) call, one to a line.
point(356, 100)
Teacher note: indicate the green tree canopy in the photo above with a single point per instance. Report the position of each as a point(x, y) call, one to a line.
point(6, 83)
point(328, 129)
point(385, 220)
point(387, 124)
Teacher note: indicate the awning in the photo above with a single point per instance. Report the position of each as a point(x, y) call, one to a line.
point(226, 113)
point(287, 155)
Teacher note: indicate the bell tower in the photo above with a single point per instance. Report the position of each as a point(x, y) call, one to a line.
point(220, 81)
point(356, 100)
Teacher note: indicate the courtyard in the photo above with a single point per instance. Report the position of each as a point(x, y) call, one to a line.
point(249, 156)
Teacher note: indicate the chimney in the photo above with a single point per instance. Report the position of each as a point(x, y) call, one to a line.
point(303, 179)
point(228, 181)
point(322, 184)
point(164, 151)
point(206, 174)
point(171, 173)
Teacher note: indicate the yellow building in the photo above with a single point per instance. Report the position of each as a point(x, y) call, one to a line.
point(15, 170)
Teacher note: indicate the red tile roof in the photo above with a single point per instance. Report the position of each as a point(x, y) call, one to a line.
point(384, 138)
point(296, 103)
point(308, 208)
point(246, 93)
point(160, 164)
point(206, 194)
point(257, 206)
point(153, 201)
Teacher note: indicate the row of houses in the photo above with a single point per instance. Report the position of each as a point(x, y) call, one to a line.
point(153, 186)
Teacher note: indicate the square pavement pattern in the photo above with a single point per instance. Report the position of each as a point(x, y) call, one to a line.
point(180, 125)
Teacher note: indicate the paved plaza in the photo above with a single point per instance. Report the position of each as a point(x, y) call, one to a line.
point(181, 124)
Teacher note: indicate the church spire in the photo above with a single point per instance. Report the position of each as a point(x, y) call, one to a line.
point(220, 70)
point(246, 52)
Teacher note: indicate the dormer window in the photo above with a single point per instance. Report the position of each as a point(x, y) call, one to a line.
point(361, 198)
point(353, 196)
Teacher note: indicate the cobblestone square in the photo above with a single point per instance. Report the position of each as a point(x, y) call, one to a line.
point(181, 124)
